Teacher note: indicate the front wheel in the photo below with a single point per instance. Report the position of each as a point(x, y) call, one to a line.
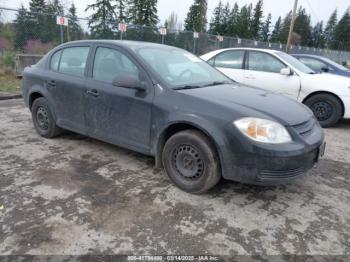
point(191, 162)
point(326, 108)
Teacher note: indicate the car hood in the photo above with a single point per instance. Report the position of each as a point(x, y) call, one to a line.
point(254, 102)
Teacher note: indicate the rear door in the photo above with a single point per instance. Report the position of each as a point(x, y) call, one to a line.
point(116, 114)
point(66, 83)
point(263, 71)
point(231, 64)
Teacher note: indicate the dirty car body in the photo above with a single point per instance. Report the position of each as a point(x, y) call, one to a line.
point(141, 96)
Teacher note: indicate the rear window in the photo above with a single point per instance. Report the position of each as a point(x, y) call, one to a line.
point(70, 61)
point(230, 59)
point(73, 61)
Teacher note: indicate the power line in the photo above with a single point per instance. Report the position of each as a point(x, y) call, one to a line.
point(313, 11)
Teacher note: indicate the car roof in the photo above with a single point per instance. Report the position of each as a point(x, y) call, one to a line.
point(307, 55)
point(122, 43)
point(215, 52)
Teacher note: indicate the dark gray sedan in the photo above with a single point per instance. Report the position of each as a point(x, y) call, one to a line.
point(165, 102)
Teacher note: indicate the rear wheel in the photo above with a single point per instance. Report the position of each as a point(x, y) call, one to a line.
point(326, 108)
point(191, 162)
point(43, 120)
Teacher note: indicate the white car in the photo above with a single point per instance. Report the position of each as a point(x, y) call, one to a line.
point(328, 96)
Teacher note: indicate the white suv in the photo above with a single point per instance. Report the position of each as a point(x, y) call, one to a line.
point(327, 95)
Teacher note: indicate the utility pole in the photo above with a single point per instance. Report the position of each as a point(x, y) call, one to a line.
point(291, 29)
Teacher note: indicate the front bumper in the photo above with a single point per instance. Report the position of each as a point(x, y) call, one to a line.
point(260, 164)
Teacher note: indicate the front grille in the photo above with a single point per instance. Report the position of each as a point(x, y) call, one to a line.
point(305, 128)
point(276, 174)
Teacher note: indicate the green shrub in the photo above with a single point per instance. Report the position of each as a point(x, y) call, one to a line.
point(8, 60)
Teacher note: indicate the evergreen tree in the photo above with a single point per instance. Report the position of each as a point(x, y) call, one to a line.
point(225, 18)
point(265, 29)
point(216, 24)
point(196, 19)
point(134, 7)
point(75, 30)
point(52, 30)
point(342, 31)
point(233, 21)
point(37, 20)
point(256, 23)
point(283, 35)
point(243, 25)
point(103, 20)
point(150, 13)
point(318, 39)
point(21, 26)
point(121, 6)
point(303, 27)
point(330, 28)
point(276, 30)
point(143, 12)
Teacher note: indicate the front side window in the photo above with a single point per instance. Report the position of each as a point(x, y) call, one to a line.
point(180, 68)
point(55, 59)
point(230, 59)
point(111, 63)
point(73, 61)
point(295, 63)
point(259, 61)
point(314, 64)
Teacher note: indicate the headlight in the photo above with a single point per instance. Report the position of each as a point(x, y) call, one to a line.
point(262, 130)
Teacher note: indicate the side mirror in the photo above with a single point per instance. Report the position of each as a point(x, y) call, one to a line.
point(129, 81)
point(286, 71)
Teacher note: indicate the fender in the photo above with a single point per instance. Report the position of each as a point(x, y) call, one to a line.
point(195, 121)
point(44, 92)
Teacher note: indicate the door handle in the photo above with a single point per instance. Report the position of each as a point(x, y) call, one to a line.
point(93, 92)
point(51, 83)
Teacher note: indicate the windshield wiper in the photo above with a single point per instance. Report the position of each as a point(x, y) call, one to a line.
point(187, 87)
point(216, 83)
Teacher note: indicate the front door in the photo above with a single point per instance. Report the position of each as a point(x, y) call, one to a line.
point(263, 71)
point(115, 114)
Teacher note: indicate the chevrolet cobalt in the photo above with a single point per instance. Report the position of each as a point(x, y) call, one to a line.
point(167, 103)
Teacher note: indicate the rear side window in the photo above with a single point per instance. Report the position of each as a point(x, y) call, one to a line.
point(230, 59)
point(259, 61)
point(55, 59)
point(73, 61)
point(110, 63)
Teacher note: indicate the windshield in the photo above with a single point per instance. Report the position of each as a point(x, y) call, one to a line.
point(295, 63)
point(336, 65)
point(179, 68)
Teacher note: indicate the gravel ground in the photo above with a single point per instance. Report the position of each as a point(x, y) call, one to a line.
point(75, 195)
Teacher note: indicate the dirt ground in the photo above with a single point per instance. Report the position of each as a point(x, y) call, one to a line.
point(74, 195)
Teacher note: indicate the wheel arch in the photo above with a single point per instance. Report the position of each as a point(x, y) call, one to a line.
point(176, 127)
point(32, 97)
point(328, 93)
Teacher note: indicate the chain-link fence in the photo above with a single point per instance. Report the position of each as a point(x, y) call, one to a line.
point(33, 33)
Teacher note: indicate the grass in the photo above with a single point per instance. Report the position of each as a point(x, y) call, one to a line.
point(9, 83)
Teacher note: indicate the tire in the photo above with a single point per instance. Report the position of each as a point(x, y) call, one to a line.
point(326, 108)
point(43, 119)
point(191, 162)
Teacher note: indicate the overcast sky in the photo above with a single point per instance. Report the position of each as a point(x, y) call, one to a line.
point(319, 9)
